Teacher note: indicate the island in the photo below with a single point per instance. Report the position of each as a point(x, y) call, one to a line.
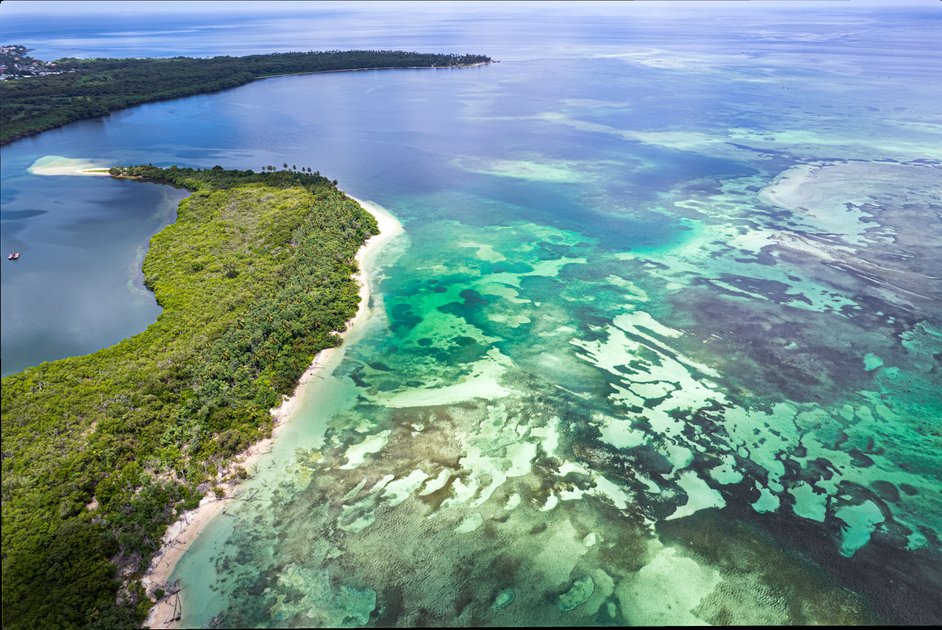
point(102, 452)
point(45, 95)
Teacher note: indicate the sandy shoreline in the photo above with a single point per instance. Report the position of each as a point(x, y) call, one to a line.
point(191, 524)
point(66, 170)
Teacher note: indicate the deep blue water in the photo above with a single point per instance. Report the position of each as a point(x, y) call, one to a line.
point(665, 321)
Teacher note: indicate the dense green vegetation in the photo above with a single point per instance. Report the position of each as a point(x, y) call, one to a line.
point(101, 452)
point(99, 86)
point(14, 62)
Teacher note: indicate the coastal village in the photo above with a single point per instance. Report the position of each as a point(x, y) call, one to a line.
point(15, 64)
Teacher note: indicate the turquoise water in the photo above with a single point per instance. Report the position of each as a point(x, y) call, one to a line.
point(660, 344)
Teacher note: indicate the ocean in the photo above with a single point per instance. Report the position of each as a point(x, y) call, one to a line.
point(660, 344)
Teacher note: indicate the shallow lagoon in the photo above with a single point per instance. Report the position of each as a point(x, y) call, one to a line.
point(661, 342)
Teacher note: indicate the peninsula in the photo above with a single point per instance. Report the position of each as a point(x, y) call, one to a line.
point(74, 89)
point(102, 452)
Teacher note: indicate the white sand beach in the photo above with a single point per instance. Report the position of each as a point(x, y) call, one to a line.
point(58, 165)
point(188, 527)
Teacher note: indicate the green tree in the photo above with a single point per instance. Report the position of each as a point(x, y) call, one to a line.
point(103, 451)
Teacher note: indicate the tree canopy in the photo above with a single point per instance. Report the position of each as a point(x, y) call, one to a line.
point(101, 452)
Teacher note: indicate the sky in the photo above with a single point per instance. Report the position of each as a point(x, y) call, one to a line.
point(70, 7)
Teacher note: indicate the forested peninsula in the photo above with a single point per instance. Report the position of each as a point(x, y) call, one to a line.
point(102, 452)
point(86, 88)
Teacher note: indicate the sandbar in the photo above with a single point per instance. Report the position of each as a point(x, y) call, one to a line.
point(58, 165)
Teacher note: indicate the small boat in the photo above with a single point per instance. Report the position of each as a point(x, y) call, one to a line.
point(14, 255)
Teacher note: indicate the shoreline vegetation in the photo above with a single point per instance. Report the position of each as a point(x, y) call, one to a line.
point(88, 88)
point(188, 527)
point(103, 452)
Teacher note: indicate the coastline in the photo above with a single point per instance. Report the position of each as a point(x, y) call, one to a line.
point(297, 74)
point(27, 134)
point(191, 524)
